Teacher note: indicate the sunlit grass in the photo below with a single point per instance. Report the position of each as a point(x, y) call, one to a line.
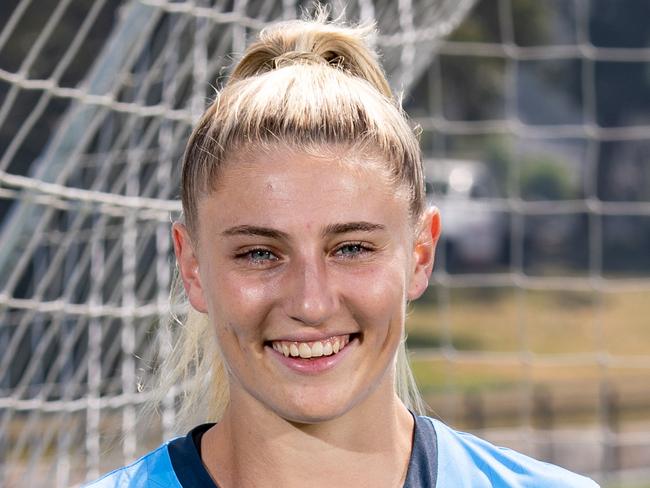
point(515, 344)
point(508, 320)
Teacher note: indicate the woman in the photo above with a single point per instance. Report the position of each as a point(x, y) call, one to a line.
point(305, 235)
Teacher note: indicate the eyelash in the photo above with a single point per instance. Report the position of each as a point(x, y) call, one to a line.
point(363, 249)
point(248, 255)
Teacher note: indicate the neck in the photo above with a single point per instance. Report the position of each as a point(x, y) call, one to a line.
point(369, 445)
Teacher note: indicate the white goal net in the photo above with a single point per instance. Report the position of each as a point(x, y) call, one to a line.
point(535, 330)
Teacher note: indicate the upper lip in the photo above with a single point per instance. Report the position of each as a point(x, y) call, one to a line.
point(309, 336)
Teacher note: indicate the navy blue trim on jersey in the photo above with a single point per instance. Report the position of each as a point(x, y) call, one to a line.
point(184, 453)
point(423, 465)
point(186, 460)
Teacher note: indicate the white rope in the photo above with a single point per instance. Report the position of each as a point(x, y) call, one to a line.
point(526, 282)
point(85, 310)
point(89, 196)
point(81, 404)
point(503, 358)
point(84, 97)
point(189, 8)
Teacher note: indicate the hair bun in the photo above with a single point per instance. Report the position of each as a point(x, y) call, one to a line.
point(316, 43)
point(294, 57)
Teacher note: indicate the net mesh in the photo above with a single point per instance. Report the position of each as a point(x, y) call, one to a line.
point(97, 100)
point(541, 343)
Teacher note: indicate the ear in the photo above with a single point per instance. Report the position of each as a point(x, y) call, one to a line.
point(188, 266)
point(424, 249)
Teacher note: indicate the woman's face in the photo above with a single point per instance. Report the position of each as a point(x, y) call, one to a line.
point(304, 265)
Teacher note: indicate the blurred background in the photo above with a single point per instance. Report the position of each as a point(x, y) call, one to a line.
point(535, 120)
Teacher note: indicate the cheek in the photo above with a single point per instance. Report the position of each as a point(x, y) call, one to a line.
point(238, 307)
point(378, 300)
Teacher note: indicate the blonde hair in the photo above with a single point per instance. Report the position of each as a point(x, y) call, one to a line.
point(303, 84)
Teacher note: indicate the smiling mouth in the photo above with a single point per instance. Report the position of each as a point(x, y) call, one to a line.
point(314, 349)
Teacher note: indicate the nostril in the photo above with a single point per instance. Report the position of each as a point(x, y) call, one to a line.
point(310, 299)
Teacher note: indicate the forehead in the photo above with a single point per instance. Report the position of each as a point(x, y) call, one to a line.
point(283, 186)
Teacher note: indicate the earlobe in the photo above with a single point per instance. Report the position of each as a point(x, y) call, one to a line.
point(424, 253)
point(188, 266)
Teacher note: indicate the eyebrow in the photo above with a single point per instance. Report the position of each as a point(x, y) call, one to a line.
point(331, 229)
point(253, 230)
point(346, 227)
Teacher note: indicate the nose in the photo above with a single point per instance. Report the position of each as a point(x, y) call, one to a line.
point(310, 297)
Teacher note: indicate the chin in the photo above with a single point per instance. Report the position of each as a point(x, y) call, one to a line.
point(313, 409)
point(312, 416)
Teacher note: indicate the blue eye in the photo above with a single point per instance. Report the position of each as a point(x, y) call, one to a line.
point(352, 250)
point(258, 256)
point(261, 255)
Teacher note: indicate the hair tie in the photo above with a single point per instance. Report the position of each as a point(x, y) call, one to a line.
point(293, 57)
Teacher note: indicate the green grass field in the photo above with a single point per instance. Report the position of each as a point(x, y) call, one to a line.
point(499, 341)
point(508, 320)
point(627, 485)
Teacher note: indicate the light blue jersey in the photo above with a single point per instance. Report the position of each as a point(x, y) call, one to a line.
point(465, 460)
point(441, 458)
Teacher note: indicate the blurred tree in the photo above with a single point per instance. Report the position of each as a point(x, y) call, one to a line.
point(543, 177)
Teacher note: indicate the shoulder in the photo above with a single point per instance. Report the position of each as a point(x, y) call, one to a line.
point(151, 470)
point(466, 460)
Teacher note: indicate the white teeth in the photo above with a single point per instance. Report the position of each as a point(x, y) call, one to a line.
point(314, 349)
point(317, 349)
point(305, 351)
